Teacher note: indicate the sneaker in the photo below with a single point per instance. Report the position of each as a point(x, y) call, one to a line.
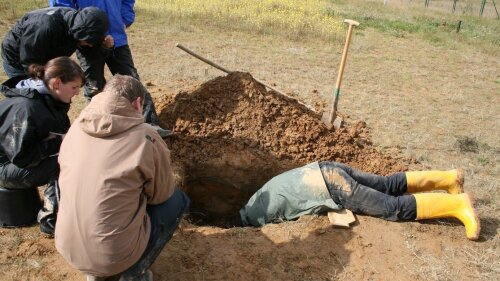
point(95, 278)
point(164, 133)
point(109, 278)
point(47, 228)
point(146, 276)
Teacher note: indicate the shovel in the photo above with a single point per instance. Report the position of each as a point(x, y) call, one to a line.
point(209, 62)
point(331, 119)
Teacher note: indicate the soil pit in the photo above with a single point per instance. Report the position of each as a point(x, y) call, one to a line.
point(232, 136)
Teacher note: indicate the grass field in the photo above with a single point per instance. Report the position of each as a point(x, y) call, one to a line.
point(424, 90)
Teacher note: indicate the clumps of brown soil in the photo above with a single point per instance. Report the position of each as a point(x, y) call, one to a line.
point(34, 248)
point(231, 136)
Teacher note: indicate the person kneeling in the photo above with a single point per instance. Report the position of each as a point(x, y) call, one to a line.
point(34, 120)
point(323, 186)
point(119, 206)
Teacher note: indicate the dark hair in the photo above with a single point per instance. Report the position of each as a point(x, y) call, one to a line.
point(63, 68)
point(126, 86)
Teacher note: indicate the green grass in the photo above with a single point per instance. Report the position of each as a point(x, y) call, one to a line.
point(296, 19)
point(317, 19)
point(321, 20)
point(13, 10)
point(433, 26)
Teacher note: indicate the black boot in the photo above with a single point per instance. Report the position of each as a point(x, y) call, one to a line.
point(151, 117)
point(48, 214)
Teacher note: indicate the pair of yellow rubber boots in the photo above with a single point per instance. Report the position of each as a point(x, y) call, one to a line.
point(441, 205)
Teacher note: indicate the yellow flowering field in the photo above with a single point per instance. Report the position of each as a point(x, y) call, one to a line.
point(294, 18)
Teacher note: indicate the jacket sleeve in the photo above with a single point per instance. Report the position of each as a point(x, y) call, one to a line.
point(161, 184)
point(127, 12)
point(32, 44)
point(62, 3)
point(22, 144)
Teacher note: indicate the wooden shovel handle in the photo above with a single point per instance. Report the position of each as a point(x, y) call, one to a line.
point(333, 111)
point(180, 46)
point(351, 22)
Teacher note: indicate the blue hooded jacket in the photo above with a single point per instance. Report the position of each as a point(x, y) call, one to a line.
point(120, 14)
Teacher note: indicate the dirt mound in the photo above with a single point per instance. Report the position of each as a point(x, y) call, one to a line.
point(231, 136)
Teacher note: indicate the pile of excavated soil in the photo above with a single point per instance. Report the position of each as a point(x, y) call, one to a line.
point(231, 136)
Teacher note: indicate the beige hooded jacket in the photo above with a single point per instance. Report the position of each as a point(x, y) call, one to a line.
point(112, 165)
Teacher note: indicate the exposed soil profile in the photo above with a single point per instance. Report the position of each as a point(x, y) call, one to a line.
point(232, 136)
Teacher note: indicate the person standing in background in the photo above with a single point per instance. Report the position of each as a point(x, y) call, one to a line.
point(118, 58)
point(45, 34)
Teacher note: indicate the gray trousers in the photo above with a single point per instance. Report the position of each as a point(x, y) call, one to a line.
point(45, 173)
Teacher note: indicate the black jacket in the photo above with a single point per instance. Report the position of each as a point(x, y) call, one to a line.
point(44, 34)
point(26, 118)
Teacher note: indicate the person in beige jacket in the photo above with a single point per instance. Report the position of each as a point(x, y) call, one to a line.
point(118, 206)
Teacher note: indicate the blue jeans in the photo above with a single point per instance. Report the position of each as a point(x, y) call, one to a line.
point(12, 71)
point(164, 218)
point(364, 193)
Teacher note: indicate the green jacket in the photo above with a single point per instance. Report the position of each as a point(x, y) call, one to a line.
point(301, 191)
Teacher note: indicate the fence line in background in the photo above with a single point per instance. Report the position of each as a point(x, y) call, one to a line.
point(467, 7)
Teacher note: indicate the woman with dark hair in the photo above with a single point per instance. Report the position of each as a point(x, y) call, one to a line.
point(33, 122)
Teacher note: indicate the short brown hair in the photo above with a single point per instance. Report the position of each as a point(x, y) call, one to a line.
point(126, 86)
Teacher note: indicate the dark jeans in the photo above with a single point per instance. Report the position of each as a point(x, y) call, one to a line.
point(46, 172)
point(164, 218)
point(119, 61)
point(369, 194)
point(12, 71)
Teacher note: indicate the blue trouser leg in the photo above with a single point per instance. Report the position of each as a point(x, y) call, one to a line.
point(46, 172)
point(392, 185)
point(164, 218)
point(12, 71)
point(369, 194)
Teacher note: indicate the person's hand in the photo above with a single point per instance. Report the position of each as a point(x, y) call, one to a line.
point(108, 42)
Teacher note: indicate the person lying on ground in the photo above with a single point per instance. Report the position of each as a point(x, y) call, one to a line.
point(44, 34)
point(115, 218)
point(33, 121)
point(121, 15)
point(323, 186)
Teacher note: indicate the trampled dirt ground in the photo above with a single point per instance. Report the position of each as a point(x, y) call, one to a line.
point(402, 98)
point(231, 135)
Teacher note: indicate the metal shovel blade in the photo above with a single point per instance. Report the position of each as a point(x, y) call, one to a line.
point(337, 122)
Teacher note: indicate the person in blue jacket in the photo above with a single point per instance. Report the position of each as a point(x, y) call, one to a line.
point(119, 60)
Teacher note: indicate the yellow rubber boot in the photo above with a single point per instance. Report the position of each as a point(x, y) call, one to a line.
point(460, 206)
point(451, 181)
